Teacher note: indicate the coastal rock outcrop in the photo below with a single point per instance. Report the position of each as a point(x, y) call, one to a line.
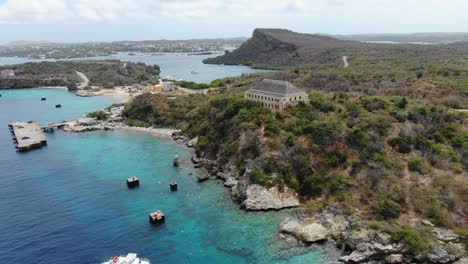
point(363, 245)
point(307, 231)
point(192, 143)
point(259, 198)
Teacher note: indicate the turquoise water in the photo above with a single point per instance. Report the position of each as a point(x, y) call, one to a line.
point(68, 202)
point(173, 65)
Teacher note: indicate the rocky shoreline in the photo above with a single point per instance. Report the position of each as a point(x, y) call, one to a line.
point(346, 230)
point(361, 244)
point(358, 243)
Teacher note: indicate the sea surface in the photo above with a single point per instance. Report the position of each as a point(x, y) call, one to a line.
point(68, 202)
point(180, 66)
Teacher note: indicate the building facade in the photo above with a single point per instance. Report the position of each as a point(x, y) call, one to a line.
point(276, 95)
point(168, 86)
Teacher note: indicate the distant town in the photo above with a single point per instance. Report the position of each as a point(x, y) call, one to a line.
point(51, 50)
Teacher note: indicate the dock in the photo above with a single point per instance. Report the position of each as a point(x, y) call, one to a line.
point(27, 135)
point(50, 127)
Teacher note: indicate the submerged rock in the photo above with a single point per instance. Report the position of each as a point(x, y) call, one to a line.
point(259, 198)
point(201, 177)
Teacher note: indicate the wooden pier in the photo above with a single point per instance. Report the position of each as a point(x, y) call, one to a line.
point(28, 135)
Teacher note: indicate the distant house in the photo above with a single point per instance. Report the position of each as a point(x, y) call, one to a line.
point(276, 95)
point(168, 86)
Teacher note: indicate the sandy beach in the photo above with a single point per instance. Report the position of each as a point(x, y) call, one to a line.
point(159, 132)
point(118, 92)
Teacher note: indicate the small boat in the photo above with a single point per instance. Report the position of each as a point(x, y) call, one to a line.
point(131, 258)
point(43, 99)
point(193, 72)
point(175, 161)
point(58, 105)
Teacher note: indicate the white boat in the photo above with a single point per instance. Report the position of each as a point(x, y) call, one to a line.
point(131, 258)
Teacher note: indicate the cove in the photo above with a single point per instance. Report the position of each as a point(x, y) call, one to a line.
point(68, 202)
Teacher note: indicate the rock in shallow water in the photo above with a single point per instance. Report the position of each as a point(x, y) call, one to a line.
point(309, 232)
point(259, 198)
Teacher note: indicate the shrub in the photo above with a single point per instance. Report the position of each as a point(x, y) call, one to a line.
point(136, 123)
point(400, 102)
point(357, 138)
point(290, 141)
point(99, 115)
point(260, 178)
point(374, 103)
point(338, 183)
point(319, 103)
point(463, 233)
point(419, 165)
point(412, 237)
point(322, 132)
point(388, 209)
point(335, 158)
point(192, 85)
point(401, 144)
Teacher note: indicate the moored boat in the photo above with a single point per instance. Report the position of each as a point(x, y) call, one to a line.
point(131, 258)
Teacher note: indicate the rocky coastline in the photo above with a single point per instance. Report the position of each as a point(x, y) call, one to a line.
point(346, 230)
point(358, 242)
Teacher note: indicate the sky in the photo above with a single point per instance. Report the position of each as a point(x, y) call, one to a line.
point(110, 20)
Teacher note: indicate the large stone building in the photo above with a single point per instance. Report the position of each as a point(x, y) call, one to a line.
point(275, 94)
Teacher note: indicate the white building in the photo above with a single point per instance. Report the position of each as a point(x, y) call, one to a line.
point(168, 86)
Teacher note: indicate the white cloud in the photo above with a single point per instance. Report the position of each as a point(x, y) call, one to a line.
point(329, 16)
point(24, 11)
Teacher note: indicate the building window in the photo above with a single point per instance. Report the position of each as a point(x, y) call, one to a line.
point(300, 97)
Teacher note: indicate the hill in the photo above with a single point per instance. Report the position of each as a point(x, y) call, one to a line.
point(280, 48)
point(430, 37)
point(107, 73)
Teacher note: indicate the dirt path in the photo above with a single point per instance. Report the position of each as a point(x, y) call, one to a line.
point(345, 61)
point(194, 91)
point(410, 215)
point(85, 80)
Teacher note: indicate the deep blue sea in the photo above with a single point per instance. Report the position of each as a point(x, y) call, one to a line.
point(68, 202)
point(179, 66)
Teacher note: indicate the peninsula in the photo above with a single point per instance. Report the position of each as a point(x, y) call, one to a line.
point(77, 74)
